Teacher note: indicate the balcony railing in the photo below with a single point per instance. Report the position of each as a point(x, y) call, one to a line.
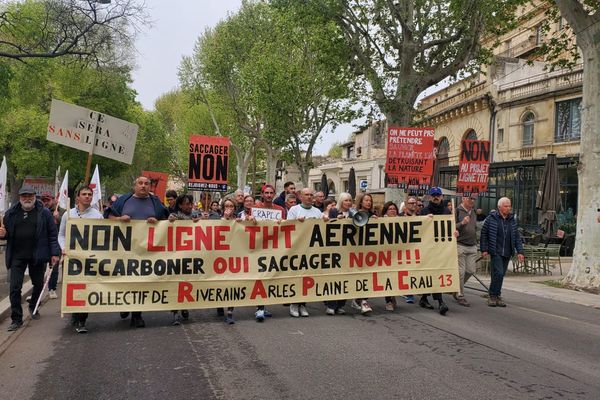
point(548, 82)
point(521, 48)
point(527, 152)
point(455, 99)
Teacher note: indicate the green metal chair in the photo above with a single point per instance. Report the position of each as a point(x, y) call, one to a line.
point(553, 254)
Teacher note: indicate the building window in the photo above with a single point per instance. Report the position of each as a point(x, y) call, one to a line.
point(528, 123)
point(500, 135)
point(471, 135)
point(568, 121)
point(442, 152)
point(350, 152)
point(358, 151)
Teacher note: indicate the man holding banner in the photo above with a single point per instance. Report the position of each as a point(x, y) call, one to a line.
point(82, 209)
point(139, 205)
point(31, 236)
point(268, 193)
point(435, 207)
point(301, 212)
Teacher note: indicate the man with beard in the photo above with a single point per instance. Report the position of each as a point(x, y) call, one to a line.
point(31, 237)
point(139, 205)
point(267, 194)
point(435, 207)
point(288, 188)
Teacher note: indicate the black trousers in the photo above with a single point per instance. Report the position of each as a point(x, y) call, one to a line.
point(17, 275)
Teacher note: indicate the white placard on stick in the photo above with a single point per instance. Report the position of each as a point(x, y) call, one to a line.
point(266, 213)
point(87, 130)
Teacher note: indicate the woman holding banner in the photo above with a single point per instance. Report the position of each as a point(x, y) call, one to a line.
point(390, 209)
point(364, 202)
point(246, 213)
point(343, 209)
point(229, 214)
point(183, 209)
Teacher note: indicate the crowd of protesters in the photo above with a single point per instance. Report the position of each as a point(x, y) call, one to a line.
point(499, 237)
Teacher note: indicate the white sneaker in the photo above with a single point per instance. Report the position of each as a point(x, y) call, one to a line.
point(330, 311)
point(365, 308)
point(303, 311)
point(294, 310)
point(52, 294)
point(355, 305)
point(340, 311)
point(259, 315)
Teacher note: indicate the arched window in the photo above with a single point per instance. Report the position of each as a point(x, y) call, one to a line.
point(471, 135)
point(442, 152)
point(528, 123)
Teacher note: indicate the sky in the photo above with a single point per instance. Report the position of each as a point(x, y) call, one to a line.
point(177, 24)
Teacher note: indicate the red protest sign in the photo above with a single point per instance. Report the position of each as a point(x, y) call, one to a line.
point(158, 183)
point(208, 163)
point(409, 156)
point(473, 166)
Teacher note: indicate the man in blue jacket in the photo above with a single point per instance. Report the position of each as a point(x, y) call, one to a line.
point(501, 240)
point(31, 242)
point(139, 205)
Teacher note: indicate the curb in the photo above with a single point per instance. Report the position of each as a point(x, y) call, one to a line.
point(5, 303)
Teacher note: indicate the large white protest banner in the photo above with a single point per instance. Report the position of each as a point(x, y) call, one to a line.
point(91, 131)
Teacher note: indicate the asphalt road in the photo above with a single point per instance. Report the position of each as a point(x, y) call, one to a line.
point(533, 349)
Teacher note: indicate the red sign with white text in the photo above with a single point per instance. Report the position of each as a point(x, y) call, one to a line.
point(473, 167)
point(410, 157)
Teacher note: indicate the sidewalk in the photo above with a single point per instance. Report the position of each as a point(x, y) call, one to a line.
point(532, 284)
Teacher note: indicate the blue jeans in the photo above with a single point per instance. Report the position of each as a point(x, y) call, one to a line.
point(499, 267)
point(335, 304)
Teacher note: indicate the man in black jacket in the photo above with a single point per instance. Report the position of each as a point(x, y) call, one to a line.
point(288, 188)
point(32, 241)
point(435, 207)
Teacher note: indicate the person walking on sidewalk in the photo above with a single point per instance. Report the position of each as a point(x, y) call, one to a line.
point(501, 240)
point(466, 225)
point(31, 242)
point(82, 209)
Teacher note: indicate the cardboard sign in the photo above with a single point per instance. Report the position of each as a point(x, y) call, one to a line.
point(40, 184)
point(91, 131)
point(261, 214)
point(136, 266)
point(208, 163)
point(473, 167)
point(409, 163)
point(158, 183)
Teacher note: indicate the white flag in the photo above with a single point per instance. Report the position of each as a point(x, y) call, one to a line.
point(63, 193)
point(3, 185)
point(95, 186)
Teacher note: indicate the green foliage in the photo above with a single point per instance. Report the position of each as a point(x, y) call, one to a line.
point(400, 48)
point(282, 77)
point(86, 31)
point(335, 151)
point(566, 221)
